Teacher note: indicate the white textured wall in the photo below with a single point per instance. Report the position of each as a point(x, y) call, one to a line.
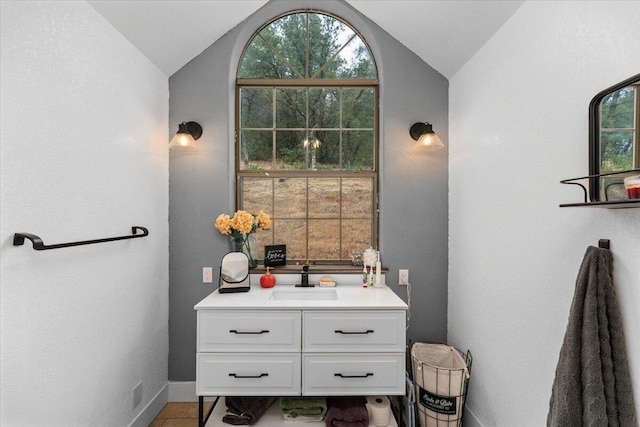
point(518, 125)
point(84, 156)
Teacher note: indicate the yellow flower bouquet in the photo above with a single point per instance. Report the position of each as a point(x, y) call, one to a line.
point(241, 226)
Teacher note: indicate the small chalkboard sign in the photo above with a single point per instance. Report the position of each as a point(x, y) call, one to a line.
point(275, 255)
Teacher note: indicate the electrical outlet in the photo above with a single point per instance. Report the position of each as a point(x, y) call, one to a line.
point(403, 277)
point(207, 275)
point(137, 394)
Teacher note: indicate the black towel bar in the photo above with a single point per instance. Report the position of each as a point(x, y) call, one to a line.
point(604, 243)
point(38, 244)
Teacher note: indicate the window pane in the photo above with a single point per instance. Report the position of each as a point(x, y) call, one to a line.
point(326, 36)
point(617, 109)
point(307, 45)
point(324, 239)
point(617, 151)
point(357, 150)
point(356, 234)
point(257, 194)
point(327, 151)
point(288, 35)
point(255, 150)
point(324, 108)
point(292, 233)
point(290, 153)
point(324, 197)
point(358, 111)
point(260, 62)
point(357, 196)
point(263, 237)
point(356, 61)
point(290, 198)
point(256, 108)
point(291, 107)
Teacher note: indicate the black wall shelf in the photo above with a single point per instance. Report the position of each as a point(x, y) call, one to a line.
point(617, 204)
point(584, 183)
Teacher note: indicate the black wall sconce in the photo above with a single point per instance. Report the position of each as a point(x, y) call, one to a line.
point(187, 134)
point(425, 137)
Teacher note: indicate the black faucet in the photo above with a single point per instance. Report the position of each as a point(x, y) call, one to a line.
point(305, 278)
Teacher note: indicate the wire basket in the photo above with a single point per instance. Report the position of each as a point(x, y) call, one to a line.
point(441, 375)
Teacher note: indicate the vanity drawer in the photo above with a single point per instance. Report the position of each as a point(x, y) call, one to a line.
point(353, 374)
point(260, 374)
point(334, 331)
point(236, 331)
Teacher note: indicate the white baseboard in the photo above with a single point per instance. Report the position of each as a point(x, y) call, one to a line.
point(182, 391)
point(153, 408)
point(470, 419)
point(173, 391)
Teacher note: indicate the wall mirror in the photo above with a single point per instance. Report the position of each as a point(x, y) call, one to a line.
point(614, 139)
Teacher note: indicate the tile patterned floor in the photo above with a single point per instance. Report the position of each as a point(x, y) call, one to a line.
point(179, 414)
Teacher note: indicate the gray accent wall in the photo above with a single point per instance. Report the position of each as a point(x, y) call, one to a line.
point(413, 186)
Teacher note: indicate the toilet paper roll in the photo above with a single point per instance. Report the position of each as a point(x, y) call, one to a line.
point(379, 410)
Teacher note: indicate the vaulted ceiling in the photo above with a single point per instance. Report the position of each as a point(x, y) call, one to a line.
point(444, 33)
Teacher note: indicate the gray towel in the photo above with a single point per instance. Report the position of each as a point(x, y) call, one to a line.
point(245, 410)
point(347, 412)
point(592, 386)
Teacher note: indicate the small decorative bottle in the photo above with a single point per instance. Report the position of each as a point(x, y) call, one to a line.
point(378, 271)
point(365, 279)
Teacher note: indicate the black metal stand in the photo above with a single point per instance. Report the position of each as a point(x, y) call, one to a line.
point(203, 420)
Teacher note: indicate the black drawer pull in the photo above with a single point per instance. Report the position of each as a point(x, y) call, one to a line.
point(368, 331)
point(368, 374)
point(234, 331)
point(250, 376)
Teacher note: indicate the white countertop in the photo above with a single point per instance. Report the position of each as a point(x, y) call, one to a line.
point(348, 297)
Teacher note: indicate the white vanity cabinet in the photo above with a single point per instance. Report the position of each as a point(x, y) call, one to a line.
point(353, 352)
point(260, 344)
point(300, 352)
point(252, 353)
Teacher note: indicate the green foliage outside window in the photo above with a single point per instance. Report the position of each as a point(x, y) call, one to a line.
point(280, 50)
point(617, 130)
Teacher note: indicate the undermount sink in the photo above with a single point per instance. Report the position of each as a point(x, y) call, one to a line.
point(304, 295)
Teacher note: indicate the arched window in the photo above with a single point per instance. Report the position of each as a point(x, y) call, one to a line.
point(307, 136)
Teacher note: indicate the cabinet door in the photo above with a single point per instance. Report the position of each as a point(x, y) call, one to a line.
point(238, 331)
point(354, 331)
point(353, 374)
point(248, 374)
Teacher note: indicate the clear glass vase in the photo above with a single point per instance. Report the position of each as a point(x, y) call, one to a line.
point(250, 248)
point(235, 244)
point(246, 244)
